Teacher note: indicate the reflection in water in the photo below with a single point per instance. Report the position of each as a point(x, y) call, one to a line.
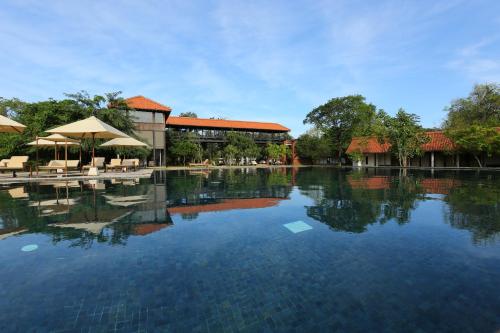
point(352, 201)
point(120, 255)
point(111, 211)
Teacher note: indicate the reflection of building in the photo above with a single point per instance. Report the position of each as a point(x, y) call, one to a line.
point(429, 185)
point(226, 204)
point(370, 183)
point(439, 152)
point(149, 228)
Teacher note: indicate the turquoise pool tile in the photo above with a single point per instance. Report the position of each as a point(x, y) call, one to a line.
point(297, 226)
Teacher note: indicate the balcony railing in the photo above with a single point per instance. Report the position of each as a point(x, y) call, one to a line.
point(221, 136)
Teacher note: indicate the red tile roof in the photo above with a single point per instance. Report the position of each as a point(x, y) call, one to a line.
point(368, 145)
point(143, 103)
point(226, 124)
point(439, 142)
point(227, 204)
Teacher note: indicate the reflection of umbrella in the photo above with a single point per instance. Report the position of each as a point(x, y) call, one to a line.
point(18, 193)
point(55, 206)
point(10, 126)
point(10, 232)
point(89, 128)
point(93, 227)
point(126, 201)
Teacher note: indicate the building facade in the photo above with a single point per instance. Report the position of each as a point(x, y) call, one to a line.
point(154, 126)
point(439, 152)
point(150, 118)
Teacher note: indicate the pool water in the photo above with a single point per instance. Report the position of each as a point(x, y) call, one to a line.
point(253, 250)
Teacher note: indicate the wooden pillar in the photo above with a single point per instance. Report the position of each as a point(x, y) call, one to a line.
point(457, 160)
point(432, 159)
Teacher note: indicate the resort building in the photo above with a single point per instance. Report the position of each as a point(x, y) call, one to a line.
point(439, 152)
point(150, 118)
point(154, 126)
point(215, 130)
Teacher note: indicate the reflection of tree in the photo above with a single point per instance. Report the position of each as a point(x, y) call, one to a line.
point(399, 200)
point(351, 202)
point(476, 207)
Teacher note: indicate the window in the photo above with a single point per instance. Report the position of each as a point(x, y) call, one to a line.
point(366, 160)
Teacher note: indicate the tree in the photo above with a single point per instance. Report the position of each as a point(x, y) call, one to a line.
point(342, 118)
point(477, 140)
point(471, 122)
point(188, 114)
point(481, 107)
point(185, 147)
point(313, 147)
point(230, 153)
point(40, 116)
point(405, 135)
point(244, 145)
point(275, 151)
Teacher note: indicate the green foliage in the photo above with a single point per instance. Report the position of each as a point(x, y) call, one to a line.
point(477, 140)
point(230, 153)
point(40, 116)
point(481, 107)
point(405, 135)
point(188, 114)
point(471, 121)
point(185, 147)
point(342, 118)
point(242, 145)
point(313, 147)
point(275, 152)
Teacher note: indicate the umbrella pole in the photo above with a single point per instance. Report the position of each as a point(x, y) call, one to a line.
point(81, 155)
point(55, 150)
point(93, 150)
point(66, 157)
point(37, 155)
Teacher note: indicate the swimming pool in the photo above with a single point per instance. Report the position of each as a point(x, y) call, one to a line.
point(309, 249)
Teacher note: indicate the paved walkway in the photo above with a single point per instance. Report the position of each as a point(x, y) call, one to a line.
point(23, 177)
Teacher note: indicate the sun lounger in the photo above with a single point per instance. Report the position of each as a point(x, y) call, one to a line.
point(125, 165)
point(99, 163)
point(205, 163)
point(60, 166)
point(129, 164)
point(15, 163)
point(114, 164)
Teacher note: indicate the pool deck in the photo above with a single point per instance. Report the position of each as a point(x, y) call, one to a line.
point(24, 177)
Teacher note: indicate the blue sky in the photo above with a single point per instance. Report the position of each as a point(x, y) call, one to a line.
point(252, 60)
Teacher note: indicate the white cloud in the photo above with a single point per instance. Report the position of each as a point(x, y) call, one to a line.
point(476, 63)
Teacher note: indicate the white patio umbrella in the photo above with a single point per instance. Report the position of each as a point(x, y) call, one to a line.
point(46, 143)
point(124, 142)
point(10, 126)
point(90, 127)
point(55, 138)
